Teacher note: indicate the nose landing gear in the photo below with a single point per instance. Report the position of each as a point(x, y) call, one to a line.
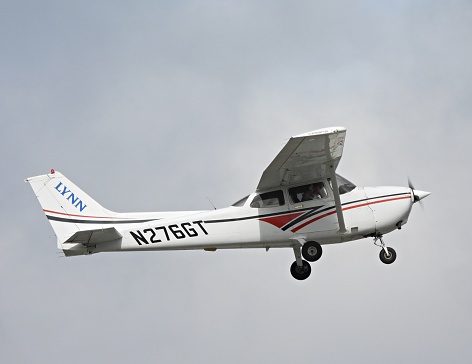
point(387, 255)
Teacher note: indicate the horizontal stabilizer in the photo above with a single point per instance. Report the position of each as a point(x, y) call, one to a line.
point(94, 237)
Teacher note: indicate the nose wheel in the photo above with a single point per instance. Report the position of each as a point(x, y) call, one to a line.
point(387, 255)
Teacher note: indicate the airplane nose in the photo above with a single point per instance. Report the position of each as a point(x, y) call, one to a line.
point(419, 195)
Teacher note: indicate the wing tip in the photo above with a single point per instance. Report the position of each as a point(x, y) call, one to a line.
point(329, 130)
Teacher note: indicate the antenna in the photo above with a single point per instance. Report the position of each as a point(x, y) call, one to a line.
point(210, 202)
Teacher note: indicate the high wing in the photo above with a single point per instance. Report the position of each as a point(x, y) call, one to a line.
point(305, 157)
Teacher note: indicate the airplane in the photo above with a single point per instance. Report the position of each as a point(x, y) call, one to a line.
point(300, 203)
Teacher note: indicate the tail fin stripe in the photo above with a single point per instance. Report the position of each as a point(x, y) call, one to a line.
point(96, 217)
point(78, 221)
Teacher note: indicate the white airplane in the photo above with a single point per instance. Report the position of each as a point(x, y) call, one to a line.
point(299, 203)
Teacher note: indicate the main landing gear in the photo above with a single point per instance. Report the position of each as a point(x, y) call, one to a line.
point(311, 251)
point(387, 255)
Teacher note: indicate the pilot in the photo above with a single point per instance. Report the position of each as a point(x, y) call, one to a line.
point(317, 190)
point(312, 192)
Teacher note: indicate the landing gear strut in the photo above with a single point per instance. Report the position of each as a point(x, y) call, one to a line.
point(387, 255)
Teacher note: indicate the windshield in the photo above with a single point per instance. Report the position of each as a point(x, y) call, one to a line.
point(344, 185)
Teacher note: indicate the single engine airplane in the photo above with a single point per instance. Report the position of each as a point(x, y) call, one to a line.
point(299, 203)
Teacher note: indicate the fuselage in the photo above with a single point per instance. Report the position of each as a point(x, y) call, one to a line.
point(368, 211)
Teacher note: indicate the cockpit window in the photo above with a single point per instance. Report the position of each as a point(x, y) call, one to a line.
point(268, 199)
point(240, 202)
point(312, 191)
point(344, 185)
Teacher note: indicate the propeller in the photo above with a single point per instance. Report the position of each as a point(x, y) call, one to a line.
point(417, 194)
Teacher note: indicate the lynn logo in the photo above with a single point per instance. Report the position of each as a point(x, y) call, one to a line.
point(70, 196)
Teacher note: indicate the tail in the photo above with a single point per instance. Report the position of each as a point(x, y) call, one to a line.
point(73, 215)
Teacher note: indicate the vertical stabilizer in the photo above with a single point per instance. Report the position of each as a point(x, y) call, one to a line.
point(66, 206)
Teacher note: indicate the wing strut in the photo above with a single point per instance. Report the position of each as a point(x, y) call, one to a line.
point(337, 200)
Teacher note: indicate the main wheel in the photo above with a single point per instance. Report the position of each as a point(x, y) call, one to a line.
point(302, 272)
point(312, 251)
point(390, 258)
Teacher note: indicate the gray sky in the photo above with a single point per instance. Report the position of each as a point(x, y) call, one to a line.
point(138, 100)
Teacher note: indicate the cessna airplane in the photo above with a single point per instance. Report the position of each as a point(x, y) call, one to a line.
point(299, 203)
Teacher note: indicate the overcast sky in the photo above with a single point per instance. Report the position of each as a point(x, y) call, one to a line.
point(138, 101)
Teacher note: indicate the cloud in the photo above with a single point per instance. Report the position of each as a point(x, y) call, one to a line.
point(153, 106)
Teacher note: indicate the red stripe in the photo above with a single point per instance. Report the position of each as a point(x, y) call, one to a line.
point(312, 220)
point(347, 208)
point(282, 220)
point(96, 217)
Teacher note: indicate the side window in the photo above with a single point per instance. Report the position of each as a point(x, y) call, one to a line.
point(313, 191)
point(268, 199)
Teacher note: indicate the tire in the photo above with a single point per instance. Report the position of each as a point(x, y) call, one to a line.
point(388, 259)
point(312, 251)
point(300, 273)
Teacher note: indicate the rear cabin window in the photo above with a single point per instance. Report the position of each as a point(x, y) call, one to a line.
point(268, 199)
point(240, 202)
point(312, 191)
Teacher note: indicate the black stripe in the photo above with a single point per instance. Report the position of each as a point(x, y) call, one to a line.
point(374, 198)
point(250, 217)
point(311, 212)
point(306, 216)
point(78, 221)
point(300, 218)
